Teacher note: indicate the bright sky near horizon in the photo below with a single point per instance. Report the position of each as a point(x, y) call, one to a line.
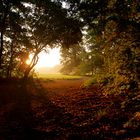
point(50, 59)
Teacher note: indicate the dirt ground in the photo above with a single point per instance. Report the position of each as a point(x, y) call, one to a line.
point(56, 110)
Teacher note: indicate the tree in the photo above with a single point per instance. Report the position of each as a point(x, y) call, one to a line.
point(28, 27)
point(13, 35)
point(116, 33)
point(70, 59)
point(51, 27)
point(10, 18)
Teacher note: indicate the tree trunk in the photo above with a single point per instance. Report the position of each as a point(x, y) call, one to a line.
point(3, 28)
point(9, 69)
point(26, 74)
point(31, 66)
point(1, 49)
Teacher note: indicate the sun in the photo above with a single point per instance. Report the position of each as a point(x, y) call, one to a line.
point(50, 59)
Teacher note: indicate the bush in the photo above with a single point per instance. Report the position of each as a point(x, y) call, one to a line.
point(90, 82)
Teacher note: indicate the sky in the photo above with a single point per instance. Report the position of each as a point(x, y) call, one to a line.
point(50, 59)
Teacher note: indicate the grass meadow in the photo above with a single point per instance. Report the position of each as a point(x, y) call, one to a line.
point(58, 76)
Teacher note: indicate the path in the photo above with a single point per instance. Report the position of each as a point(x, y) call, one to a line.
point(72, 108)
point(56, 110)
point(49, 109)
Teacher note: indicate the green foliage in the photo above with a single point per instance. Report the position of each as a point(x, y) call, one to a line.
point(90, 82)
point(70, 59)
point(110, 49)
point(79, 61)
point(30, 27)
point(131, 99)
point(112, 37)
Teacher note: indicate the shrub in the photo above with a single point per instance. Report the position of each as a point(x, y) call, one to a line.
point(90, 82)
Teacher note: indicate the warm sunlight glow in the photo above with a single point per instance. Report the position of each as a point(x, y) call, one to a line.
point(29, 60)
point(50, 59)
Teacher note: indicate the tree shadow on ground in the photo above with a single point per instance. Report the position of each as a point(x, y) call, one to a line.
point(54, 120)
point(57, 122)
point(17, 122)
point(27, 112)
point(18, 119)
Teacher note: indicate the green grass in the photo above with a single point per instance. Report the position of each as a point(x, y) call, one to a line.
point(58, 76)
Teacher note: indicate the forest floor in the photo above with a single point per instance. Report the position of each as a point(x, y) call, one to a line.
point(63, 110)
